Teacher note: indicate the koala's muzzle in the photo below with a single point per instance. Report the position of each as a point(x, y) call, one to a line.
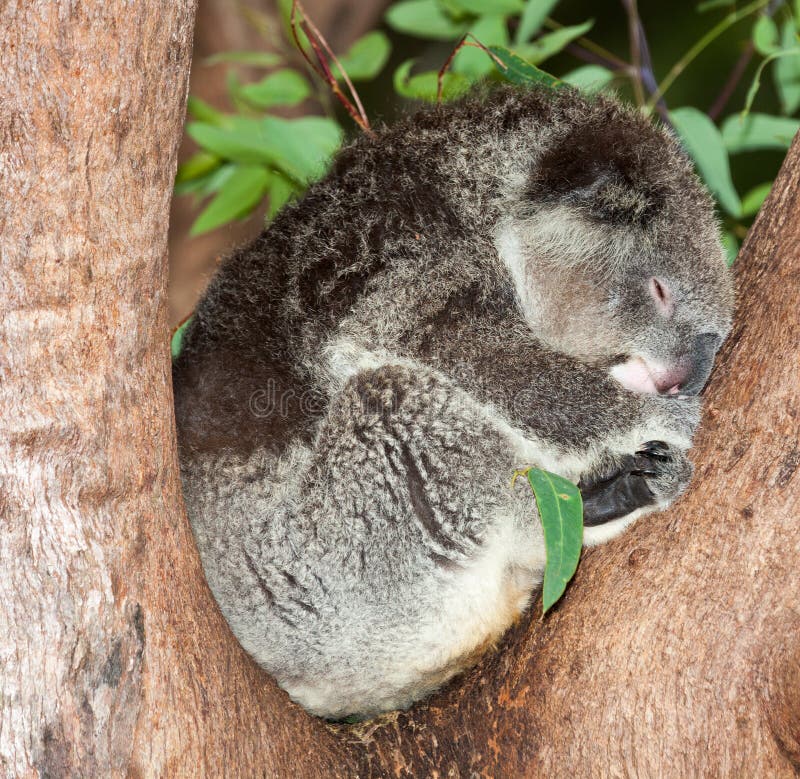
point(700, 361)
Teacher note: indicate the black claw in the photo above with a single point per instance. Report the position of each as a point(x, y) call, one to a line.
point(611, 494)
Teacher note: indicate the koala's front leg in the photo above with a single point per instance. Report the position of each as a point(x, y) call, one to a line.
point(641, 471)
point(652, 477)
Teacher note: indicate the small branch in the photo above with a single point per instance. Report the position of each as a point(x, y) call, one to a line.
point(634, 27)
point(648, 76)
point(596, 59)
point(698, 47)
point(738, 69)
point(322, 50)
point(475, 43)
point(732, 82)
point(605, 57)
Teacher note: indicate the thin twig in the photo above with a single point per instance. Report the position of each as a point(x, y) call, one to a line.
point(648, 76)
point(632, 12)
point(475, 43)
point(732, 82)
point(608, 57)
point(321, 50)
point(596, 59)
point(698, 47)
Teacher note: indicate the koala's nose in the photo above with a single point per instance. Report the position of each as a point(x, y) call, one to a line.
point(700, 359)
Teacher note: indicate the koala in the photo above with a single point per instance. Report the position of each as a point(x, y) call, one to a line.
point(523, 277)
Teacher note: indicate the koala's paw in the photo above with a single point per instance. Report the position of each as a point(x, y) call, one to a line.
point(652, 477)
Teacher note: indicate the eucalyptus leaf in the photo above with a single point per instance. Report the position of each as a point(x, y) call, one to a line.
point(280, 192)
point(236, 198)
point(731, 245)
point(365, 58)
point(198, 165)
point(176, 342)
point(472, 61)
point(208, 184)
point(765, 36)
point(553, 42)
point(423, 86)
point(589, 78)
point(423, 19)
point(518, 71)
point(301, 148)
point(756, 83)
point(536, 11)
point(561, 513)
point(203, 112)
point(757, 132)
point(754, 199)
point(786, 71)
point(240, 143)
point(703, 141)
point(283, 87)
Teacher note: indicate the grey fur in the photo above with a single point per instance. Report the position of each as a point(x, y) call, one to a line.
point(360, 383)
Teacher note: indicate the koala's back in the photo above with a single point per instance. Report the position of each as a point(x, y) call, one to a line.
point(412, 202)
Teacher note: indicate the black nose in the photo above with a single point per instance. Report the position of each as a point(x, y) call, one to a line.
point(701, 355)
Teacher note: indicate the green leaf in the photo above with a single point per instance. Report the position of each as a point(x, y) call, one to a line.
point(203, 112)
point(472, 61)
point(561, 513)
point(198, 165)
point(517, 71)
point(758, 131)
point(536, 11)
point(301, 148)
point(786, 71)
point(755, 198)
point(553, 42)
point(176, 342)
point(284, 87)
point(756, 83)
point(366, 57)
point(256, 59)
point(481, 7)
point(242, 143)
point(589, 78)
point(236, 198)
point(423, 86)
point(765, 36)
point(208, 184)
point(423, 19)
point(704, 143)
point(731, 245)
point(280, 192)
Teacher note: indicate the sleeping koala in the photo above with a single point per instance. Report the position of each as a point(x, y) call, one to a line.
point(528, 277)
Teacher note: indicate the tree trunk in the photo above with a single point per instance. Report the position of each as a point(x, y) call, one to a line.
point(675, 651)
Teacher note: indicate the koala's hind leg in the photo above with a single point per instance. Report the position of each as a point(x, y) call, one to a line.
point(427, 553)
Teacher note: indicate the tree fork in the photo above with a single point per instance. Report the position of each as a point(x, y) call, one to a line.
point(674, 652)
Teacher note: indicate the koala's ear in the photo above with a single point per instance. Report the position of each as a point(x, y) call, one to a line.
point(606, 169)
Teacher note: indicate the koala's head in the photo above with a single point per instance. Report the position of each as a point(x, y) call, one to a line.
point(615, 251)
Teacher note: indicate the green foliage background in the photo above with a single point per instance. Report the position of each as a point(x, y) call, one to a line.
point(250, 152)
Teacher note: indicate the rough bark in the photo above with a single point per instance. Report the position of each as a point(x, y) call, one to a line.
point(675, 652)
